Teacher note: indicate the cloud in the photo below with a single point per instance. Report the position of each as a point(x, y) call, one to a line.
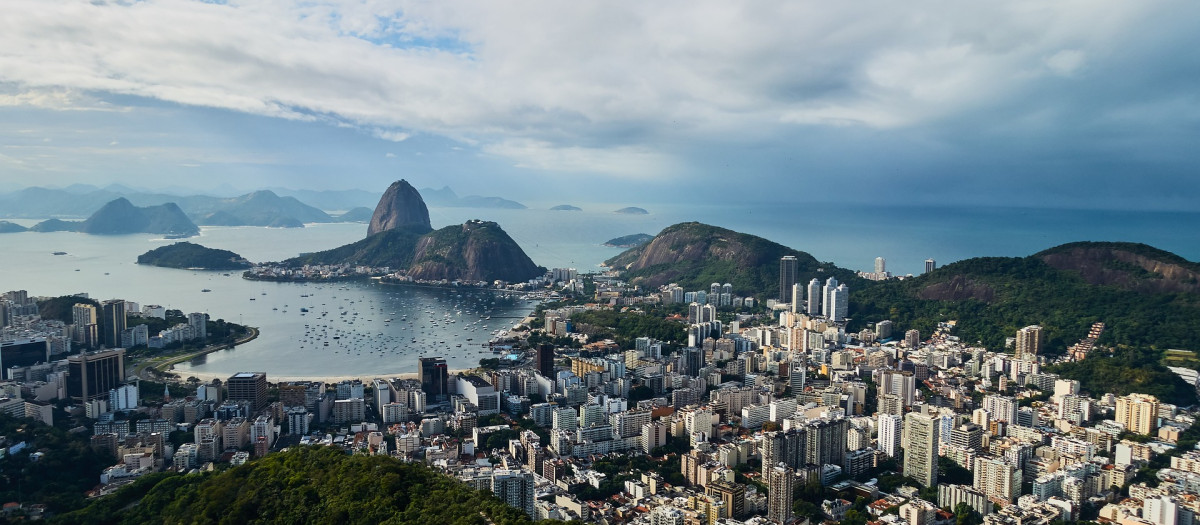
point(628, 90)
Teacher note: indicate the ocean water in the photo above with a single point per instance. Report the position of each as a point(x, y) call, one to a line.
point(292, 344)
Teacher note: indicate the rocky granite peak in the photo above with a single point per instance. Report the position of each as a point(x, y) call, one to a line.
point(401, 206)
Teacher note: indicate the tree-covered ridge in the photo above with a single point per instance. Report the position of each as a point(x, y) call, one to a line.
point(993, 297)
point(1128, 371)
point(303, 485)
point(189, 255)
point(696, 255)
point(625, 327)
point(1135, 248)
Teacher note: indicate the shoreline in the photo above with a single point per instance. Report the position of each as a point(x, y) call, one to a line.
point(207, 377)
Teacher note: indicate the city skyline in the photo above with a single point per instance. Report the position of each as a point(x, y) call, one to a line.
point(965, 105)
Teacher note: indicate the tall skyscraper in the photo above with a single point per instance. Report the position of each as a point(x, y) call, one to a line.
point(930, 265)
point(839, 303)
point(831, 284)
point(921, 452)
point(825, 442)
point(1029, 342)
point(814, 297)
point(545, 360)
point(779, 493)
point(880, 265)
point(435, 378)
point(248, 386)
point(84, 325)
point(788, 267)
point(890, 426)
point(1137, 413)
point(514, 487)
point(91, 375)
point(114, 321)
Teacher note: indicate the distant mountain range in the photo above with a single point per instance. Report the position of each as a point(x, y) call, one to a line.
point(272, 208)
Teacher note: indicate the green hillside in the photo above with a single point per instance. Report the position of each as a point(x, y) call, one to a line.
point(315, 485)
point(696, 255)
point(189, 255)
point(993, 297)
point(392, 248)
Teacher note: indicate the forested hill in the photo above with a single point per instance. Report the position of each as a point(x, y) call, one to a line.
point(1144, 295)
point(696, 255)
point(315, 485)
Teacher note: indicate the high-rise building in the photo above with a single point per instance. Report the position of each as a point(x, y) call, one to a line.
point(248, 386)
point(435, 378)
point(814, 297)
point(880, 265)
point(831, 284)
point(902, 384)
point(545, 360)
point(91, 375)
point(930, 265)
point(788, 266)
point(514, 487)
point(968, 436)
point(997, 478)
point(1029, 342)
point(732, 494)
point(839, 303)
point(912, 338)
point(1001, 408)
point(1137, 413)
point(85, 327)
point(780, 483)
point(883, 329)
point(199, 323)
point(890, 426)
point(921, 450)
point(114, 321)
point(825, 442)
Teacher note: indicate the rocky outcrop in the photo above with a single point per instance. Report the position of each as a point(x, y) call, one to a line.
point(1129, 266)
point(120, 216)
point(474, 251)
point(11, 227)
point(401, 206)
point(958, 288)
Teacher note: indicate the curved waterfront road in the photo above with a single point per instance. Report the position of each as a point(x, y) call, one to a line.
point(151, 369)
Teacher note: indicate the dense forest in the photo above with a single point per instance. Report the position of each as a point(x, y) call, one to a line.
point(189, 255)
point(59, 478)
point(992, 297)
point(302, 485)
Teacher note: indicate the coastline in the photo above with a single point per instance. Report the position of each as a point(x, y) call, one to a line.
point(206, 377)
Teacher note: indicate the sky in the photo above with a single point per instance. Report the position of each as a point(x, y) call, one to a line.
point(1078, 104)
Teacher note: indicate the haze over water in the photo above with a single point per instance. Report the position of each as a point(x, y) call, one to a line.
point(849, 236)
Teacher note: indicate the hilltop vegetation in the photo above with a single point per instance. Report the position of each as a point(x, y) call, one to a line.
point(189, 255)
point(58, 479)
point(392, 248)
point(302, 485)
point(993, 297)
point(474, 251)
point(696, 255)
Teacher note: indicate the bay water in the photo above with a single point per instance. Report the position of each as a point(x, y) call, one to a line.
point(385, 328)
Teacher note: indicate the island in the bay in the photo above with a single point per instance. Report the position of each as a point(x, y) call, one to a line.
point(704, 376)
point(186, 255)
